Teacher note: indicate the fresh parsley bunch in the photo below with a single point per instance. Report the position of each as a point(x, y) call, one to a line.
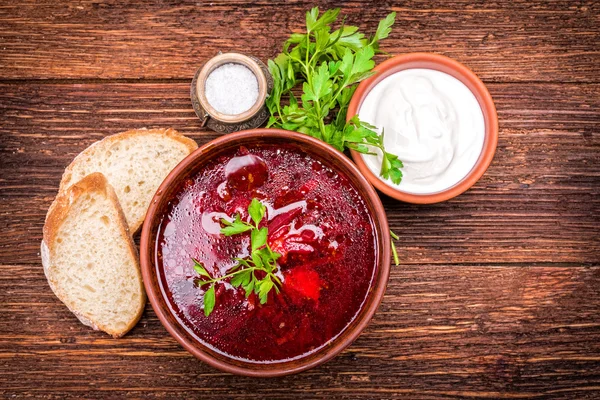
point(262, 260)
point(329, 65)
point(243, 274)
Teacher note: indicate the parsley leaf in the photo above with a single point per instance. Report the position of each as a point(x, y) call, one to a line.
point(209, 300)
point(199, 268)
point(314, 23)
point(258, 238)
point(236, 227)
point(264, 288)
point(257, 211)
point(241, 279)
point(384, 28)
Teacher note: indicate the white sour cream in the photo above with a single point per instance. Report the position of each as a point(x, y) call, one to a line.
point(432, 121)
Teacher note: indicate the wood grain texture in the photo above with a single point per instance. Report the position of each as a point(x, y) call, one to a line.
point(498, 294)
point(499, 40)
point(538, 202)
point(441, 331)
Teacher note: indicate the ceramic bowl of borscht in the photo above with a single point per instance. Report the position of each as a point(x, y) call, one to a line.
point(265, 252)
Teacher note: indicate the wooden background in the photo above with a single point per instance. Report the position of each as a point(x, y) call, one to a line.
point(498, 294)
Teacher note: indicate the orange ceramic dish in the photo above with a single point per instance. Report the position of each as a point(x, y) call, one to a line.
point(467, 77)
point(165, 293)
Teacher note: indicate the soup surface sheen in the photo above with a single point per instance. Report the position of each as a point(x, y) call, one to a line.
point(316, 219)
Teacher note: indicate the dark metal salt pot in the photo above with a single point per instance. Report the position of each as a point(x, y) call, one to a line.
point(221, 122)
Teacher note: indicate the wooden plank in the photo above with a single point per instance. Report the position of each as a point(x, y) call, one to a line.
point(453, 332)
point(538, 202)
point(498, 292)
point(501, 41)
point(552, 220)
point(72, 110)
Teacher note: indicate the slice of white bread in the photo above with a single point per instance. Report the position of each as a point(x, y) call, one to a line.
point(135, 163)
point(89, 257)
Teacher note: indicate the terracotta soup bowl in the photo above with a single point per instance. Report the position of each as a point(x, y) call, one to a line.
point(325, 220)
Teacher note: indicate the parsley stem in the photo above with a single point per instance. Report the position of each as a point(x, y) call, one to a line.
point(334, 99)
point(307, 52)
point(395, 254)
point(394, 251)
point(279, 111)
point(313, 57)
point(276, 278)
point(321, 123)
point(220, 278)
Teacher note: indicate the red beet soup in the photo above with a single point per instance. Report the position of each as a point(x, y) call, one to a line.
point(316, 220)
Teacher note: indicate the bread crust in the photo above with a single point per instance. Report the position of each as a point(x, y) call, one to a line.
point(108, 141)
point(57, 214)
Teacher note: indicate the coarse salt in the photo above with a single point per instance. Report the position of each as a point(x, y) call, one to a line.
point(231, 89)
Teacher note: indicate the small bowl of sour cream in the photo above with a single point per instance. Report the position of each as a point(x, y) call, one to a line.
point(437, 116)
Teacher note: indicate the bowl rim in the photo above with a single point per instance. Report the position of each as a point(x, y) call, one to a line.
point(466, 76)
point(376, 290)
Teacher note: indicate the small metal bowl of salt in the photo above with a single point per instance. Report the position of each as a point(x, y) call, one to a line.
point(229, 92)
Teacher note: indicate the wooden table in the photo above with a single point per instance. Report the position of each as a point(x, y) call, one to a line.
point(498, 294)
